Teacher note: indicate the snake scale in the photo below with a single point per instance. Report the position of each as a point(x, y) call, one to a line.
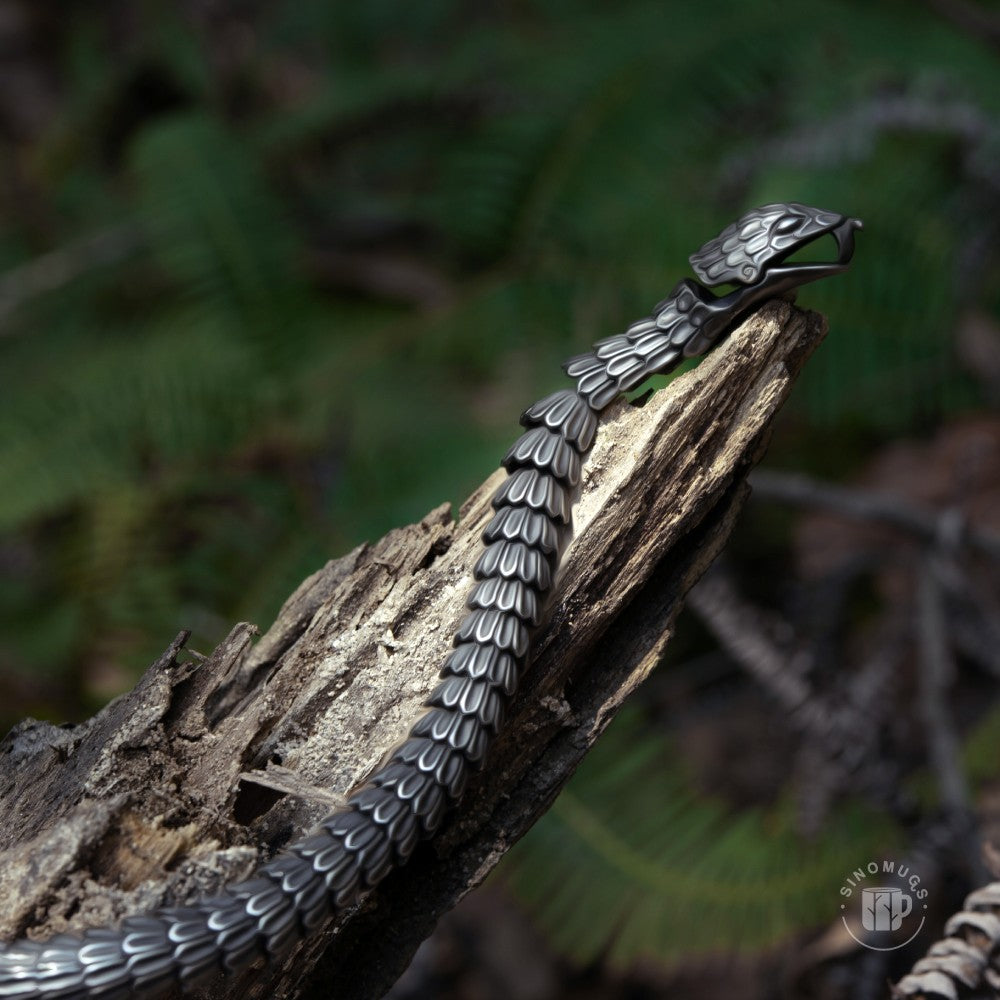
point(353, 849)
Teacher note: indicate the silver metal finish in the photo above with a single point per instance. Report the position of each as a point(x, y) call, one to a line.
point(522, 524)
point(753, 253)
point(547, 451)
point(759, 240)
point(509, 596)
point(566, 413)
point(538, 490)
point(515, 561)
point(354, 849)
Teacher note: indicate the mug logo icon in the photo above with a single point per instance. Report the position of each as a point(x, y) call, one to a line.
point(876, 915)
point(883, 908)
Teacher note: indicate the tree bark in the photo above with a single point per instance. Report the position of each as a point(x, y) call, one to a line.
point(209, 765)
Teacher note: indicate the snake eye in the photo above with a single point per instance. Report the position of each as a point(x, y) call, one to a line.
point(787, 225)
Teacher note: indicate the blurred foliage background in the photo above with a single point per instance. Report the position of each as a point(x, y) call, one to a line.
point(276, 277)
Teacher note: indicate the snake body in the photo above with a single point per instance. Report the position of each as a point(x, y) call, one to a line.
point(353, 849)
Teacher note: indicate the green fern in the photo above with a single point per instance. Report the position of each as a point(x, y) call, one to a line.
point(214, 226)
point(633, 863)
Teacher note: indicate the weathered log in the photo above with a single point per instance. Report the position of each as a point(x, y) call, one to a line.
point(209, 765)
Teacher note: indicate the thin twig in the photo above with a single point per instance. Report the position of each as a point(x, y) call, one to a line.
point(925, 523)
point(971, 18)
point(841, 729)
point(851, 135)
point(739, 627)
point(936, 673)
point(59, 267)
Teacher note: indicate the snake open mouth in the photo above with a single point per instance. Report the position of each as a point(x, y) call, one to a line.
point(759, 246)
point(841, 232)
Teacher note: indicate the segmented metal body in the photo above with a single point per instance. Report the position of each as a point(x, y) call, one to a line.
point(406, 800)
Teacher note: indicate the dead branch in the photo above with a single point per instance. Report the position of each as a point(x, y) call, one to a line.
point(59, 267)
point(946, 526)
point(210, 764)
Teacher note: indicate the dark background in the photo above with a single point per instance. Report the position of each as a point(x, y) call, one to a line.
point(276, 277)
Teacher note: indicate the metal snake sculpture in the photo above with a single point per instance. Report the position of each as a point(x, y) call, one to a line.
point(355, 848)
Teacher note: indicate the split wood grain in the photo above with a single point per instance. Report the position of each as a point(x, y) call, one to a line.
point(210, 764)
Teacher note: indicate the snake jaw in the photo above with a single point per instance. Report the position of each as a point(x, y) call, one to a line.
point(785, 275)
point(761, 242)
point(781, 276)
point(753, 250)
point(844, 235)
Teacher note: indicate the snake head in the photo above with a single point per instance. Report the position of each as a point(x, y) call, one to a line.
point(752, 249)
